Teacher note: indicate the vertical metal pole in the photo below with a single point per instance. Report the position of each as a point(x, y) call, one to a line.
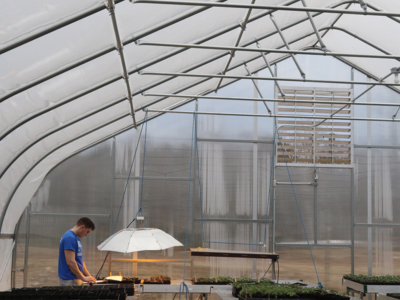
point(27, 233)
point(274, 180)
point(14, 257)
point(113, 186)
point(352, 204)
point(194, 166)
point(109, 264)
point(369, 185)
point(352, 220)
point(352, 122)
point(136, 204)
point(315, 207)
point(255, 173)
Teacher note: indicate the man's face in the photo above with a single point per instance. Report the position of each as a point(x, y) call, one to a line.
point(84, 231)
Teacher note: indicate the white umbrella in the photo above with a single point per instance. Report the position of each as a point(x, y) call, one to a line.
point(138, 239)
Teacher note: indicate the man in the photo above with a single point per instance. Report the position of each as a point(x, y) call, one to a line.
point(72, 270)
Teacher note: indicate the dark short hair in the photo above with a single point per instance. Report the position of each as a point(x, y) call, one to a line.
point(87, 222)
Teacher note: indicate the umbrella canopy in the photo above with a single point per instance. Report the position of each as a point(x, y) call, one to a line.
point(138, 239)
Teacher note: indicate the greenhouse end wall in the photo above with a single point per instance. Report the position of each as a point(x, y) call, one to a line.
point(235, 180)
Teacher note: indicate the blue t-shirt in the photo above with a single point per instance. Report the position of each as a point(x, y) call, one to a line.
point(69, 241)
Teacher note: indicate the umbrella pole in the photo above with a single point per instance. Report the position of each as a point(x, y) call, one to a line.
point(108, 253)
point(101, 268)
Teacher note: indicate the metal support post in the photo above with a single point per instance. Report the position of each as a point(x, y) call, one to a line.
point(113, 185)
point(195, 178)
point(315, 207)
point(274, 181)
point(352, 225)
point(369, 187)
point(136, 184)
point(27, 233)
point(255, 175)
point(287, 45)
point(14, 255)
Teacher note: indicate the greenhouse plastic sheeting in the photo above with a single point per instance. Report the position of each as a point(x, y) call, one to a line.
point(62, 77)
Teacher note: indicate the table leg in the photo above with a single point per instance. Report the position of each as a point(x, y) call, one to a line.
point(273, 270)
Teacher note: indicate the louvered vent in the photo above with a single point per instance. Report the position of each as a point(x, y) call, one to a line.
point(308, 140)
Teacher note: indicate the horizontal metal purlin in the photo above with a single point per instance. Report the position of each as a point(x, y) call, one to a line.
point(258, 50)
point(312, 245)
point(148, 260)
point(7, 236)
point(272, 115)
point(295, 183)
point(376, 146)
point(268, 78)
point(70, 215)
point(268, 99)
point(376, 225)
point(234, 141)
point(273, 7)
point(232, 220)
point(282, 165)
point(154, 178)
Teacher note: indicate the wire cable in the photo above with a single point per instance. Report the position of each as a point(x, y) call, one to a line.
point(298, 206)
point(129, 175)
point(267, 270)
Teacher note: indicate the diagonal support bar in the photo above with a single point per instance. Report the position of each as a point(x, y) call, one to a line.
point(258, 90)
point(271, 71)
point(287, 45)
point(242, 29)
point(355, 99)
point(323, 47)
point(120, 49)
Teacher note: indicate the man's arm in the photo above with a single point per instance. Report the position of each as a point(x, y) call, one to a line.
point(86, 272)
point(73, 266)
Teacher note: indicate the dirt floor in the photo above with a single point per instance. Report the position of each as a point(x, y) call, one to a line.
point(294, 263)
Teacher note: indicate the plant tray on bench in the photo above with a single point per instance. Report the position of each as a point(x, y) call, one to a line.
point(285, 291)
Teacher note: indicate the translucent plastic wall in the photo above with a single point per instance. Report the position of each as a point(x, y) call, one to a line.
point(235, 185)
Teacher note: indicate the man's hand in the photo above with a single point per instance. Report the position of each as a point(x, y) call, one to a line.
point(89, 279)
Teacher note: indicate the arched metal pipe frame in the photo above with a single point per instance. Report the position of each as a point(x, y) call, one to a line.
point(186, 101)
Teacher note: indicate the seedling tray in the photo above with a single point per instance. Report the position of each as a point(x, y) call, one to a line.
point(273, 297)
point(371, 288)
point(213, 283)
